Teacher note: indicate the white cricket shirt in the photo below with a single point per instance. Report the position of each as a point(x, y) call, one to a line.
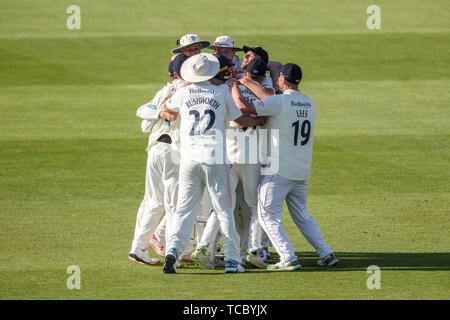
point(149, 112)
point(292, 114)
point(243, 143)
point(204, 108)
point(240, 73)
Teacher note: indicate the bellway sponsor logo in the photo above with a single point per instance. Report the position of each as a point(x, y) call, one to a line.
point(299, 104)
point(200, 90)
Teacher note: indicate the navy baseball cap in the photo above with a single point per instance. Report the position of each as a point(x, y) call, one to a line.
point(171, 69)
point(178, 62)
point(292, 73)
point(259, 51)
point(224, 62)
point(257, 67)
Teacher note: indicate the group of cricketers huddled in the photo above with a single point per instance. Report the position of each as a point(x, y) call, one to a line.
point(230, 139)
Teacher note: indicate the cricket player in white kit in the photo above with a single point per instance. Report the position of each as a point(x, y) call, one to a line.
point(204, 108)
point(292, 114)
point(243, 154)
point(189, 45)
point(161, 178)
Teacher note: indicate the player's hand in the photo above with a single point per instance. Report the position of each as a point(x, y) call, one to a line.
point(168, 115)
point(263, 120)
point(231, 82)
point(241, 81)
point(277, 89)
point(233, 72)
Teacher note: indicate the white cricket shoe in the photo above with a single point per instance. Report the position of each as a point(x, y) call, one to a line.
point(286, 266)
point(264, 252)
point(157, 246)
point(232, 266)
point(217, 262)
point(140, 255)
point(327, 261)
point(255, 259)
point(200, 258)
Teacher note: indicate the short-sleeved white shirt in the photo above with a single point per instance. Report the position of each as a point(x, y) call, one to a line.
point(243, 143)
point(149, 112)
point(292, 114)
point(204, 108)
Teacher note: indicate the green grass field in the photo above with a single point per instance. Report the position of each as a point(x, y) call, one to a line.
point(72, 157)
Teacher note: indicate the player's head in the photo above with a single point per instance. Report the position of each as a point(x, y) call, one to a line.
point(190, 44)
point(225, 67)
point(252, 53)
point(200, 67)
point(256, 70)
point(290, 76)
point(171, 71)
point(225, 45)
point(177, 63)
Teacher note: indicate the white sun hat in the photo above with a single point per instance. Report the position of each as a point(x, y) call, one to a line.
point(189, 39)
point(224, 42)
point(200, 67)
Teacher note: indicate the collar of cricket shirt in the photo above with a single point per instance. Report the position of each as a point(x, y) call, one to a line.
point(292, 91)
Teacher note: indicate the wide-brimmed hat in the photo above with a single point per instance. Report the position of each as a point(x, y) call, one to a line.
point(224, 42)
point(189, 39)
point(200, 67)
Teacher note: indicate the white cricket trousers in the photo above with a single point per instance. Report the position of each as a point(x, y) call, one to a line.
point(247, 224)
point(194, 178)
point(161, 189)
point(272, 191)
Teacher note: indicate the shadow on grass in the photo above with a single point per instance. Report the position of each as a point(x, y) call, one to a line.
point(359, 261)
point(352, 261)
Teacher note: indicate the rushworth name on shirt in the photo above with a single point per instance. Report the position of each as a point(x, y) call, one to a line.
point(202, 100)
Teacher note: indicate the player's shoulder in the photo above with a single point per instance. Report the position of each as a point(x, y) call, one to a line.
point(222, 88)
point(180, 88)
point(306, 98)
point(178, 84)
point(267, 82)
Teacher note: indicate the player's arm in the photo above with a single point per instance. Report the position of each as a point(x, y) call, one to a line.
point(269, 106)
point(258, 89)
point(274, 69)
point(149, 111)
point(173, 104)
point(171, 113)
point(168, 115)
point(248, 121)
point(234, 114)
point(147, 125)
point(245, 106)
